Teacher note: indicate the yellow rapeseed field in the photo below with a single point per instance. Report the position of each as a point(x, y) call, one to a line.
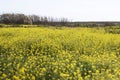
point(59, 54)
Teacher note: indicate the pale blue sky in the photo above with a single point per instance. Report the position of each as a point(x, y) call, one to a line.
point(77, 10)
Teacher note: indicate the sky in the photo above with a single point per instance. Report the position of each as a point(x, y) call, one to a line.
point(75, 10)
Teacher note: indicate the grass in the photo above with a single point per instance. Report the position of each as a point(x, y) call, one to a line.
point(59, 54)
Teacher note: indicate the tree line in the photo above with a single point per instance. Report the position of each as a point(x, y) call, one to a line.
point(9, 18)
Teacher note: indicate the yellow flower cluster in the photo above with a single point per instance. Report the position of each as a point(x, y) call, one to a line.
point(59, 54)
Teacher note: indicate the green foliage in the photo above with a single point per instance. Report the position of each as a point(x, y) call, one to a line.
point(59, 54)
point(113, 30)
